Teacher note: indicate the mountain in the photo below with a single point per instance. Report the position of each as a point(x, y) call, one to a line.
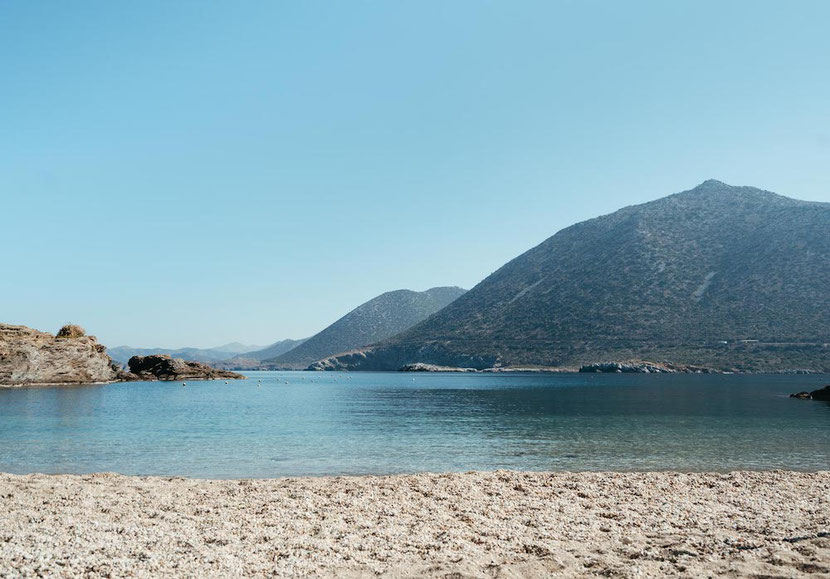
point(122, 354)
point(728, 277)
point(253, 359)
point(377, 319)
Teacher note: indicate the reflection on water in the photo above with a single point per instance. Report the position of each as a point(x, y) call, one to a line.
point(395, 422)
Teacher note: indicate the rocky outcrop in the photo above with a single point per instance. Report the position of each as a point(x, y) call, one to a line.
point(29, 356)
point(372, 358)
point(820, 394)
point(643, 368)
point(421, 367)
point(165, 367)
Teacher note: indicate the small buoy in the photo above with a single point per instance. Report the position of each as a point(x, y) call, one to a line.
point(184, 384)
point(226, 381)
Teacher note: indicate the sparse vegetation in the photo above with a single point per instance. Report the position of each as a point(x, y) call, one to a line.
point(71, 331)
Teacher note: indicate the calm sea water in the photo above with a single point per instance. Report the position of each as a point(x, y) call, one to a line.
point(300, 423)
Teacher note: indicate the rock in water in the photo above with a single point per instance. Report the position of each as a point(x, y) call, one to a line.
point(820, 394)
point(165, 367)
point(28, 356)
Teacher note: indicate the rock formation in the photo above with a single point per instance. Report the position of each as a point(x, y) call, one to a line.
point(820, 394)
point(164, 367)
point(421, 367)
point(29, 356)
point(638, 367)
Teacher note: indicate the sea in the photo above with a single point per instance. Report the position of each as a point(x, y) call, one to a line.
point(288, 424)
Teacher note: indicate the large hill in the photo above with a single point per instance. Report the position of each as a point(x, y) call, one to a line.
point(377, 319)
point(730, 277)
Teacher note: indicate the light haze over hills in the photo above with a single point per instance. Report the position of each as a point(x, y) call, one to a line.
point(122, 354)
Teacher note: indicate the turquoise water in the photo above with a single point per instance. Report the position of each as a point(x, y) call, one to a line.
point(340, 423)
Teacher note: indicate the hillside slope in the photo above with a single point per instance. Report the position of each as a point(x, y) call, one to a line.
point(375, 320)
point(732, 277)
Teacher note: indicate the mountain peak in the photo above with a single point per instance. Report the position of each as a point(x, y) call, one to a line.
point(713, 184)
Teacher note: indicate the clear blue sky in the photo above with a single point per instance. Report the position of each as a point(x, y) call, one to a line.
point(192, 173)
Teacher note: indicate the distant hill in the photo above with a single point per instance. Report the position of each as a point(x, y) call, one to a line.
point(253, 359)
point(377, 319)
point(122, 354)
point(723, 276)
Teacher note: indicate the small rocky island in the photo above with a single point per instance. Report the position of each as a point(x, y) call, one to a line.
point(31, 357)
point(165, 367)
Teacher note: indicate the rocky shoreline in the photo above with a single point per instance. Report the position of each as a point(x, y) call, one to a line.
point(32, 358)
point(477, 524)
point(820, 394)
point(627, 367)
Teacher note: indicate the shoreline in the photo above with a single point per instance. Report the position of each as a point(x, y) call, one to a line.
point(442, 370)
point(501, 523)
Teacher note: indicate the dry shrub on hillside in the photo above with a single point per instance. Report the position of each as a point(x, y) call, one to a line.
point(71, 331)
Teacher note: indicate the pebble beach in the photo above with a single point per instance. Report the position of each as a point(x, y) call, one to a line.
point(478, 524)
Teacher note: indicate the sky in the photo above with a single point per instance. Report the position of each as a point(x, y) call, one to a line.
point(194, 173)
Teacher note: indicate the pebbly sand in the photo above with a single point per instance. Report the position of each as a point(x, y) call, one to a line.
point(499, 524)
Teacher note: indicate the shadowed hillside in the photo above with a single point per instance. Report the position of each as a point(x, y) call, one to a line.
point(377, 319)
point(253, 360)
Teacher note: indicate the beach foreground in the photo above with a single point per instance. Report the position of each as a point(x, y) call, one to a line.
point(498, 524)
